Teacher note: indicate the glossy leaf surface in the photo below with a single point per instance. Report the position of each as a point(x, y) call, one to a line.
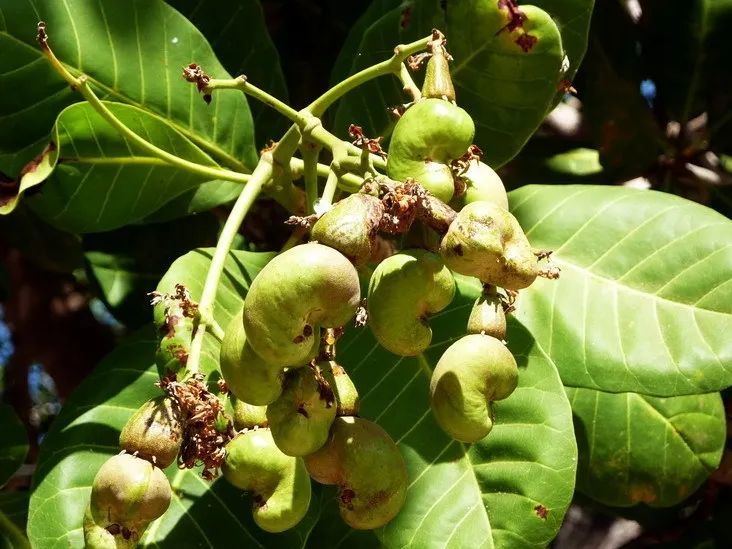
point(639, 449)
point(644, 300)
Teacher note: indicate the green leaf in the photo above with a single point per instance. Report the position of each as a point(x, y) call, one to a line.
point(489, 494)
point(238, 34)
point(506, 90)
point(644, 300)
point(132, 51)
point(128, 263)
point(621, 122)
point(13, 518)
point(86, 434)
point(96, 181)
point(639, 449)
point(14, 445)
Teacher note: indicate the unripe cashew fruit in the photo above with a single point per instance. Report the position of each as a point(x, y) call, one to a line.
point(403, 290)
point(481, 184)
point(363, 461)
point(301, 290)
point(487, 316)
point(474, 371)
point(249, 376)
point(279, 484)
point(98, 537)
point(428, 136)
point(248, 416)
point(175, 343)
point(154, 432)
point(128, 492)
point(487, 242)
point(301, 417)
point(347, 400)
point(351, 227)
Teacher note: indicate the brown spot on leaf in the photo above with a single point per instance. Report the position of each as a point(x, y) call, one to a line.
point(541, 511)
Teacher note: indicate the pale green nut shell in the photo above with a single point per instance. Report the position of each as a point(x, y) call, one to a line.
point(487, 242)
point(472, 372)
point(348, 402)
point(487, 315)
point(249, 377)
point(279, 484)
point(301, 417)
point(129, 491)
point(481, 184)
point(247, 416)
point(154, 432)
point(366, 465)
point(301, 290)
point(351, 227)
point(404, 289)
point(98, 537)
point(428, 136)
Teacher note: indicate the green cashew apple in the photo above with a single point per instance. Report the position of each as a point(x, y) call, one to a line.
point(175, 343)
point(487, 242)
point(404, 289)
point(481, 184)
point(249, 377)
point(279, 484)
point(487, 315)
point(474, 371)
point(154, 432)
point(363, 461)
point(301, 290)
point(346, 396)
point(351, 227)
point(301, 417)
point(248, 416)
point(428, 136)
point(128, 493)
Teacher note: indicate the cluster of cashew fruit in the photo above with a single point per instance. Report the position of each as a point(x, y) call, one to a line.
point(295, 410)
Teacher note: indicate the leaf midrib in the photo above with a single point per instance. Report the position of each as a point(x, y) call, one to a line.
point(230, 160)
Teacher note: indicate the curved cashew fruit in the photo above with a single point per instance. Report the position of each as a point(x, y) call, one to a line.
point(249, 376)
point(154, 432)
point(363, 461)
point(481, 184)
point(487, 316)
point(301, 417)
point(403, 290)
point(301, 290)
point(279, 484)
point(472, 372)
point(248, 416)
point(487, 242)
point(429, 135)
point(128, 493)
point(346, 396)
point(351, 227)
point(175, 343)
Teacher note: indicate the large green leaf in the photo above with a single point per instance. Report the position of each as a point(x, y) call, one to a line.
point(644, 301)
point(86, 434)
point(489, 494)
point(128, 263)
point(238, 34)
point(506, 90)
point(639, 449)
point(94, 180)
point(133, 51)
point(14, 445)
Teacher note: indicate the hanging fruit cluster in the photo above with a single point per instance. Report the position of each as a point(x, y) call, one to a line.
point(295, 410)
